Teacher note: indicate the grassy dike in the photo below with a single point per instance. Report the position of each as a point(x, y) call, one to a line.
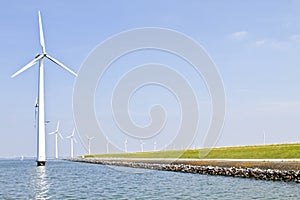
point(273, 151)
point(259, 161)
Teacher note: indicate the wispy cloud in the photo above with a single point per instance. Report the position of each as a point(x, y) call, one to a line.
point(260, 43)
point(284, 43)
point(295, 38)
point(281, 106)
point(279, 44)
point(239, 35)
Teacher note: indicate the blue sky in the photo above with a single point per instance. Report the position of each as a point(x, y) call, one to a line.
point(255, 45)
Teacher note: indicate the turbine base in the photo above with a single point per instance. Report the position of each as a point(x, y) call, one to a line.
point(41, 163)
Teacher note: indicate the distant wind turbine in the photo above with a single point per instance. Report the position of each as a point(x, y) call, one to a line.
point(72, 138)
point(142, 145)
point(56, 133)
point(125, 145)
point(154, 148)
point(264, 135)
point(107, 143)
point(41, 147)
point(89, 143)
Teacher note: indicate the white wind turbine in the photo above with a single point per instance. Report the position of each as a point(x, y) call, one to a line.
point(154, 148)
point(89, 143)
point(142, 145)
point(41, 147)
point(107, 143)
point(36, 107)
point(56, 133)
point(125, 145)
point(264, 136)
point(72, 138)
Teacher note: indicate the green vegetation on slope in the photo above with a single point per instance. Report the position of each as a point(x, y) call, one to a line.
point(245, 152)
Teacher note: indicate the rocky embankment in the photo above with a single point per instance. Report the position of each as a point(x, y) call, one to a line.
point(243, 172)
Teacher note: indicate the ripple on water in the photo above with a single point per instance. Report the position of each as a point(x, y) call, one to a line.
point(68, 180)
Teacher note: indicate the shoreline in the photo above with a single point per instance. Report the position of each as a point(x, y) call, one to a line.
point(263, 169)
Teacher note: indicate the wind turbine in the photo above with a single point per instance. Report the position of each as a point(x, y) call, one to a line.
point(36, 107)
point(107, 149)
point(142, 145)
point(72, 138)
point(89, 143)
point(264, 136)
point(41, 147)
point(125, 145)
point(154, 146)
point(107, 143)
point(56, 133)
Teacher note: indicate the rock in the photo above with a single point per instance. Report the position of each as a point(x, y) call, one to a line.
point(269, 174)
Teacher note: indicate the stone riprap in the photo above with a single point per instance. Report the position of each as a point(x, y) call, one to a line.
point(256, 173)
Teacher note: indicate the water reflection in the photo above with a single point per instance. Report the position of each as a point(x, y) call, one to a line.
point(40, 185)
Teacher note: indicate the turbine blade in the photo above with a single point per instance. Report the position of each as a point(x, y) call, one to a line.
point(30, 64)
point(74, 140)
point(72, 135)
point(57, 127)
point(42, 40)
point(52, 133)
point(60, 64)
point(61, 137)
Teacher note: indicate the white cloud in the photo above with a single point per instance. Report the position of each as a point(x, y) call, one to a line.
point(278, 44)
point(281, 106)
point(239, 35)
point(260, 43)
point(274, 44)
point(295, 38)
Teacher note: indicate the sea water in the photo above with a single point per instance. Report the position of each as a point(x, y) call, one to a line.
point(72, 180)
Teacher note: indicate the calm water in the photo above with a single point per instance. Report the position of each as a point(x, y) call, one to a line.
point(68, 180)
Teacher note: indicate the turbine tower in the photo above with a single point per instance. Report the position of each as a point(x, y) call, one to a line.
point(125, 145)
point(36, 107)
point(41, 146)
point(72, 138)
point(56, 133)
point(264, 136)
point(142, 145)
point(89, 143)
point(107, 143)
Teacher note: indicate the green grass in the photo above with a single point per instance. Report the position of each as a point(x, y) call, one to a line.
point(245, 152)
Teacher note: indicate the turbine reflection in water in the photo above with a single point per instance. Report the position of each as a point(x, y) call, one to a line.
point(40, 185)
